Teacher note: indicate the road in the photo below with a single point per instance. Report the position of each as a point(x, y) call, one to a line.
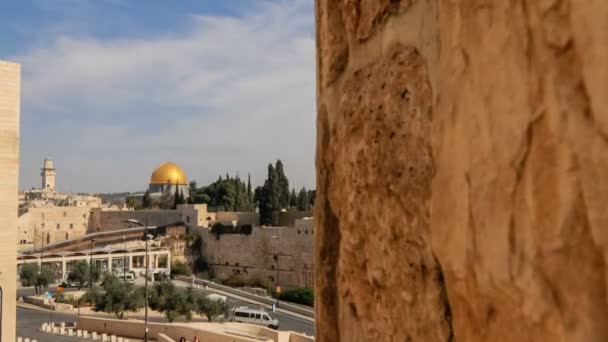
point(29, 321)
point(286, 322)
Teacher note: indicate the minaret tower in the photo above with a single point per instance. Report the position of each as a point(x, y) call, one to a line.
point(48, 175)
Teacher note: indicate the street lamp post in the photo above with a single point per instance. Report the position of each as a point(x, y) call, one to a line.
point(91, 265)
point(124, 259)
point(146, 262)
point(278, 284)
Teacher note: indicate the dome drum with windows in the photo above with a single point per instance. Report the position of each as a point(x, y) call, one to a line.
point(166, 177)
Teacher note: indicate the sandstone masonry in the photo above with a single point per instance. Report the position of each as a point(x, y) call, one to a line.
point(462, 154)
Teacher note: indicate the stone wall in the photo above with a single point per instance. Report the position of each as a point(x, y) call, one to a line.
point(240, 217)
point(52, 223)
point(253, 256)
point(193, 215)
point(111, 220)
point(10, 90)
point(462, 154)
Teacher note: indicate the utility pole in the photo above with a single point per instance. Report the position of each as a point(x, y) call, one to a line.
point(124, 260)
point(278, 284)
point(91, 265)
point(146, 284)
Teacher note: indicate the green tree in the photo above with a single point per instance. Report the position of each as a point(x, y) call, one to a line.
point(282, 185)
point(212, 308)
point(44, 278)
point(293, 199)
point(180, 268)
point(176, 198)
point(192, 190)
point(303, 203)
point(28, 274)
point(116, 297)
point(130, 202)
point(167, 198)
point(311, 198)
point(79, 273)
point(269, 198)
point(167, 299)
point(146, 201)
point(249, 193)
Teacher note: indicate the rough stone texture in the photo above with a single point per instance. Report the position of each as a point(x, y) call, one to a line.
point(518, 212)
point(376, 268)
point(480, 172)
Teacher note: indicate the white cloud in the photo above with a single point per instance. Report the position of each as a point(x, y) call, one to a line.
point(229, 94)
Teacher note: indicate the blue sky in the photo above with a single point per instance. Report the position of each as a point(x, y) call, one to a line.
point(112, 88)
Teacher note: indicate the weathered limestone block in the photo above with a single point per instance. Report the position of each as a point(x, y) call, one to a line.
point(461, 195)
point(518, 214)
point(374, 152)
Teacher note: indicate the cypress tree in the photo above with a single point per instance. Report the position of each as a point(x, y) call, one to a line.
point(293, 199)
point(249, 193)
point(283, 185)
point(303, 201)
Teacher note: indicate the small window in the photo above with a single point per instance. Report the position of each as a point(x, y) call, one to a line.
point(84, 215)
point(241, 314)
point(71, 225)
point(258, 316)
point(266, 318)
point(306, 232)
point(65, 214)
point(58, 226)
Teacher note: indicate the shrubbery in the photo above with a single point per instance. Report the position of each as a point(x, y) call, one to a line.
point(304, 296)
point(238, 281)
point(180, 268)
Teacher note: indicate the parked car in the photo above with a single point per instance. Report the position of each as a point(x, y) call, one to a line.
point(244, 314)
point(68, 284)
point(129, 278)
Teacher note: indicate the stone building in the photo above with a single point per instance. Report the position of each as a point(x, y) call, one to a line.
point(10, 89)
point(51, 224)
point(166, 178)
point(48, 175)
point(46, 215)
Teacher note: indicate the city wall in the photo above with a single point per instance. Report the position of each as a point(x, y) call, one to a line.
point(254, 256)
point(111, 220)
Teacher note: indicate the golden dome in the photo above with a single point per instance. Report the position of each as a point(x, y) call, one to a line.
point(168, 173)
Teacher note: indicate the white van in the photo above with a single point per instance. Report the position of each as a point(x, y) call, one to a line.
point(244, 314)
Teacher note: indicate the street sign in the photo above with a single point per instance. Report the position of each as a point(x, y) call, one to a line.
point(278, 289)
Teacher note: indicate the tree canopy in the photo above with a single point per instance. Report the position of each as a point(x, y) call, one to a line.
point(213, 309)
point(171, 301)
point(80, 273)
point(116, 296)
point(225, 194)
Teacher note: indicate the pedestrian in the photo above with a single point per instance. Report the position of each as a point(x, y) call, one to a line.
point(182, 339)
point(196, 339)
